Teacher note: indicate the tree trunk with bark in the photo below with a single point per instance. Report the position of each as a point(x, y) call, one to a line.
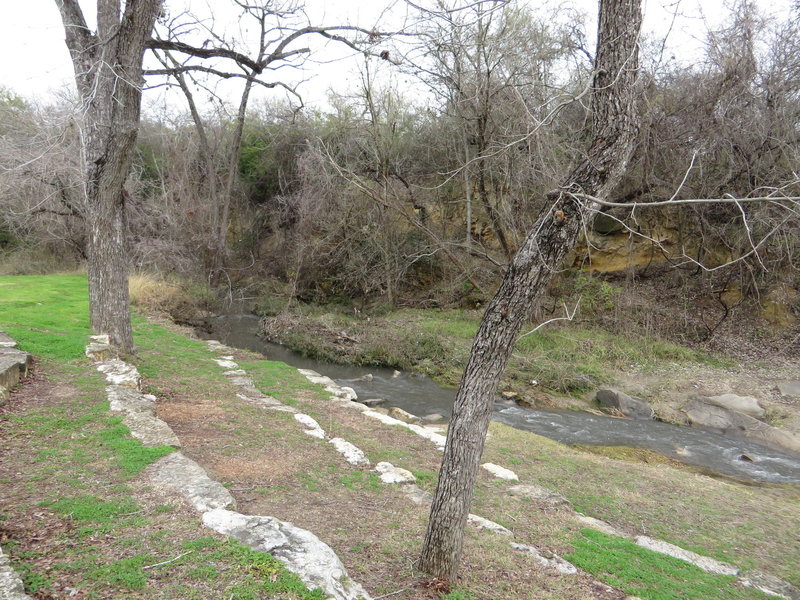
point(108, 74)
point(615, 126)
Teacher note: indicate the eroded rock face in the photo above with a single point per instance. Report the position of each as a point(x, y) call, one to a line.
point(300, 550)
point(181, 474)
point(702, 414)
point(743, 404)
point(709, 565)
point(629, 406)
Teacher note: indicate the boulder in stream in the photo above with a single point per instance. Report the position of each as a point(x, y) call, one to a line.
point(628, 406)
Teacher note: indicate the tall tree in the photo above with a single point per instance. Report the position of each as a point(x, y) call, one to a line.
point(614, 129)
point(108, 75)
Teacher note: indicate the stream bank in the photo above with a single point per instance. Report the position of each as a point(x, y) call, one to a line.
point(420, 396)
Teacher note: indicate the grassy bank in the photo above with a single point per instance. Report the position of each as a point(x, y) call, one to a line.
point(561, 359)
point(79, 514)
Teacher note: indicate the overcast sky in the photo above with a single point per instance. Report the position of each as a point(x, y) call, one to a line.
point(35, 60)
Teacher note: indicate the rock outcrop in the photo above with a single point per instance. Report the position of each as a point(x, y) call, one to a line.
point(629, 406)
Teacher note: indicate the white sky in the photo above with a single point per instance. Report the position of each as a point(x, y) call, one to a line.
point(36, 63)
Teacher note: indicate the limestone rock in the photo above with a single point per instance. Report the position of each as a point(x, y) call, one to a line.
point(547, 559)
point(216, 346)
point(11, 587)
point(743, 404)
point(312, 427)
point(99, 348)
point(482, 523)
point(351, 453)
point(301, 551)
point(402, 415)
point(119, 372)
point(702, 414)
point(601, 526)
point(540, 494)
point(770, 585)
point(709, 565)
point(391, 474)
point(150, 430)
point(181, 474)
point(225, 363)
point(627, 405)
point(14, 365)
point(416, 494)
point(125, 399)
point(339, 391)
point(500, 472)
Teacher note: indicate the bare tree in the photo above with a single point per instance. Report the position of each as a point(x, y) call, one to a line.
point(108, 75)
point(614, 130)
point(108, 66)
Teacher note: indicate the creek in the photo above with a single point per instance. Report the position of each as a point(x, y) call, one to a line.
point(420, 396)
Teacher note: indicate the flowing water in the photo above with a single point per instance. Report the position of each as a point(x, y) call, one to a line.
point(420, 396)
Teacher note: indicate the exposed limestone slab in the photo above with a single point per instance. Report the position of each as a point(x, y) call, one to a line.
point(321, 380)
point(119, 372)
point(743, 404)
point(242, 382)
point(236, 372)
point(225, 364)
point(436, 438)
point(125, 399)
point(181, 474)
point(301, 551)
point(391, 474)
point(150, 430)
point(283, 408)
point(11, 587)
point(540, 494)
point(259, 398)
point(351, 453)
point(547, 559)
point(313, 428)
point(416, 494)
point(217, 346)
point(308, 373)
point(402, 415)
point(709, 565)
point(601, 526)
point(500, 472)
point(482, 523)
point(772, 586)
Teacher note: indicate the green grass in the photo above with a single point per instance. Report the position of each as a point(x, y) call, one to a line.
point(48, 315)
point(649, 575)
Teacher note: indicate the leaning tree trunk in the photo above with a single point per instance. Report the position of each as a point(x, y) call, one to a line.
point(615, 125)
point(108, 74)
